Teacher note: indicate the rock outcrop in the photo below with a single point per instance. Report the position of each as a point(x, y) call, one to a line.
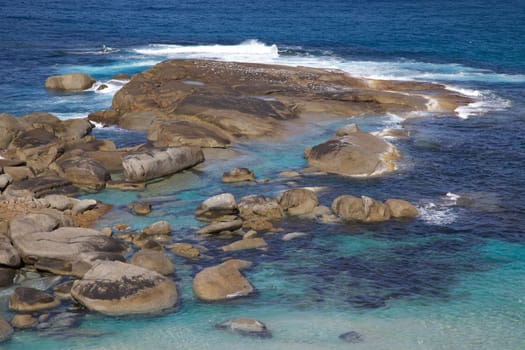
point(364, 209)
point(298, 201)
point(115, 288)
point(26, 299)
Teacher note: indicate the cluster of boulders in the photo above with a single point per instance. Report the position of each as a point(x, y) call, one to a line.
point(257, 212)
point(43, 154)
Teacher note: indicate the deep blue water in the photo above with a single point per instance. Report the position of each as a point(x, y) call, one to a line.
point(454, 278)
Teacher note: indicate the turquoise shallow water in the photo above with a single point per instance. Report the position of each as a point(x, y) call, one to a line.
point(454, 278)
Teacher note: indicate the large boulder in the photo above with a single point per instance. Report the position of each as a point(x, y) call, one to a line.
point(146, 165)
point(116, 288)
point(73, 129)
point(221, 207)
point(68, 244)
point(357, 154)
point(364, 209)
point(258, 206)
point(84, 172)
point(401, 209)
point(298, 201)
point(222, 282)
point(153, 260)
point(29, 300)
point(70, 82)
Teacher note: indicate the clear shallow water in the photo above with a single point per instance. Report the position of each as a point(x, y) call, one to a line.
point(451, 279)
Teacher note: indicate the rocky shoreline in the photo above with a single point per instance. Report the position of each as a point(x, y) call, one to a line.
point(183, 106)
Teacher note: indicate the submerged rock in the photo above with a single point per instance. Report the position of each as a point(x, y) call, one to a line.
point(245, 326)
point(140, 208)
point(351, 337)
point(115, 288)
point(222, 282)
point(70, 82)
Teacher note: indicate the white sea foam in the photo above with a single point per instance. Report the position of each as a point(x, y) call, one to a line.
point(112, 86)
point(436, 214)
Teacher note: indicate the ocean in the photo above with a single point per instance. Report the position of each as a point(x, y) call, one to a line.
point(453, 278)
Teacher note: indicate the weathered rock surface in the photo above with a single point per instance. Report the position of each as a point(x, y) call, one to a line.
point(116, 288)
point(364, 209)
point(258, 206)
point(68, 244)
point(85, 172)
point(26, 299)
point(298, 201)
point(401, 209)
point(221, 207)
point(222, 282)
point(247, 243)
point(356, 154)
point(9, 129)
point(238, 175)
point(7, 276)
point(210, 103)
point(153, 163)
point(69, 82)
point(153, 260)
point(245, 326)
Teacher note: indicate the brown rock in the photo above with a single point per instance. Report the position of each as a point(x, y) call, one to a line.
point(8, 254)
point(5, 330)
point(23, 321)
point(364, 209)
point(6, 277)
point(357, 154)
point(115, 288)
point(186, 250)
point(222, 282)
point(238, 175)
point(158, 228)
point(63, 290)
point(70, 82)
point(153, 260)
point(26, 299)
point(401, 209)
point(258, 206)
point(222, 207)
point(243, 244)
point(84, 172)
point(298, 201)
point(9, 129)
point(140, 208)
point(218, 227)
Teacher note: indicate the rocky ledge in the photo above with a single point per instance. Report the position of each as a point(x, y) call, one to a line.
point(213, 104)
